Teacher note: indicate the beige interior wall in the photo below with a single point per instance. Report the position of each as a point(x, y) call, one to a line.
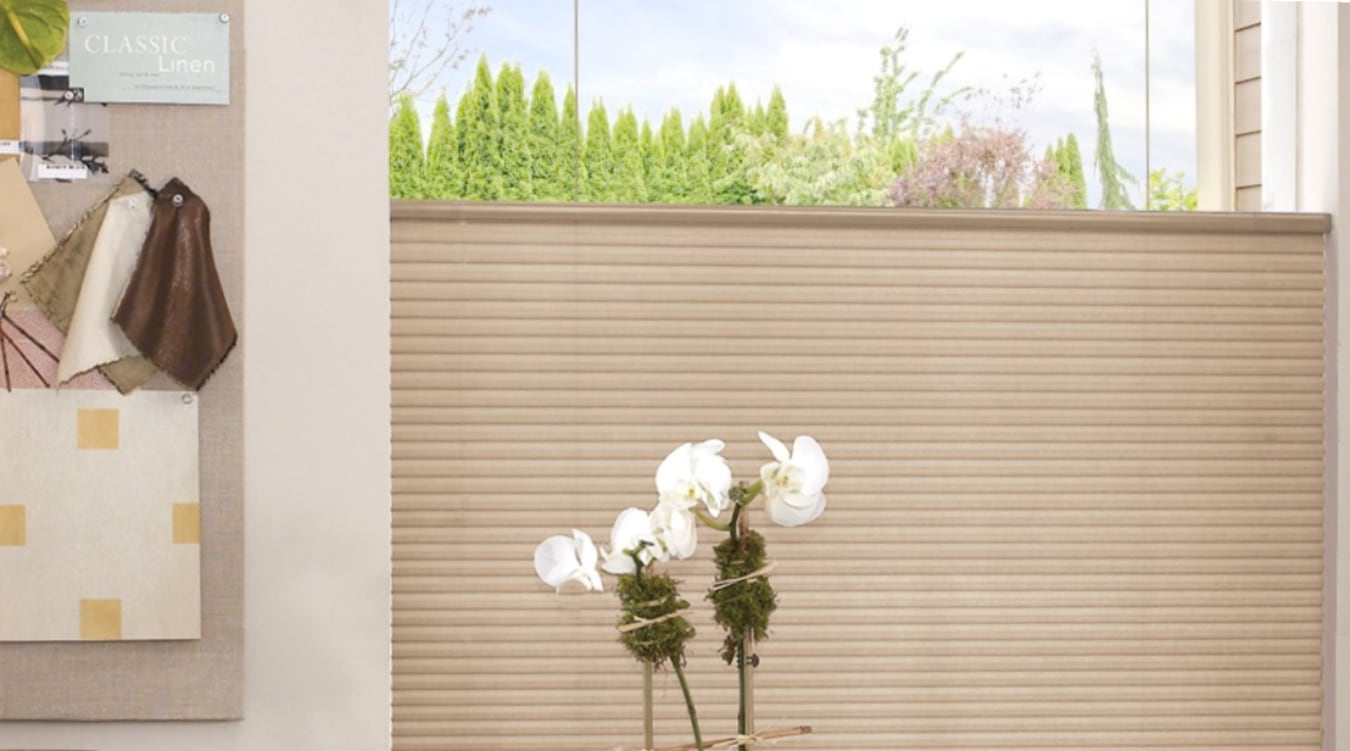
point(1076, 497)
point(314, 346)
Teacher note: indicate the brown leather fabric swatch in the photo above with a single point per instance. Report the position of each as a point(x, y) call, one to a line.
point(54, 283)
point(174, 308)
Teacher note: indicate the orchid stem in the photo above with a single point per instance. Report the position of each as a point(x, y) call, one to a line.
point(708, 520)
point(688, 702)
point(752, 492)
point(742, 659)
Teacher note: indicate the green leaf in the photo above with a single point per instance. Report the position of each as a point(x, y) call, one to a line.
point(32, 33)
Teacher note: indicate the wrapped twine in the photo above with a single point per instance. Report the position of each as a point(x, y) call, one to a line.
point(743, 740)
point(761, 571)
point(645, 622)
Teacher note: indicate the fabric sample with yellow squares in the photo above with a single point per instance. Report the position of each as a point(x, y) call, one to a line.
point(100, 527)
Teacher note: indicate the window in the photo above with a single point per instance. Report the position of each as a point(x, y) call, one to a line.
point(960, 104)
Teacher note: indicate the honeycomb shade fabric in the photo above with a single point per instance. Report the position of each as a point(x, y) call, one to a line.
point(1076, 479)
point(174, 308)
point(56, 281)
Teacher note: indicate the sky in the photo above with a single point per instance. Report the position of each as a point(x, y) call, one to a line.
point(656, 55)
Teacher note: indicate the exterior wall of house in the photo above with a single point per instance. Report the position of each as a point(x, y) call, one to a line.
point(1247, 105)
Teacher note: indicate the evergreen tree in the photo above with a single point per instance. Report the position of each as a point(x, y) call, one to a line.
point(482, 153)
point(1113, 176)
point(546, 151)
point(514, 137)
point(406, 162)
point(1073, 161)
point(650, 156)
point(629, 185)
point(599, 157)
point(757, 122)
point(571, 165)
point(716, 130)
point(777, 116)
point(733, 109)
point(462, 118)
point(727, 156)
point(442, 155)
point(667, 184)
point(698, 172)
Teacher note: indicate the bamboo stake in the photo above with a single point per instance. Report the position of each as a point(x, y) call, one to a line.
point(648, 723)
point(748, 676)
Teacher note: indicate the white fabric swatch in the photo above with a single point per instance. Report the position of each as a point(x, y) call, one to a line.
point(93, 338)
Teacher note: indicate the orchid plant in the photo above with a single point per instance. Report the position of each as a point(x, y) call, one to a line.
point(694, 488)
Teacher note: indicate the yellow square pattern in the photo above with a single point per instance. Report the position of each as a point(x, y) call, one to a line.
point(187, 524)
point(13, 525)
point(98, 429)
point(100, 620)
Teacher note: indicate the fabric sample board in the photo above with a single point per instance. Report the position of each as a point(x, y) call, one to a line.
point(99, 516)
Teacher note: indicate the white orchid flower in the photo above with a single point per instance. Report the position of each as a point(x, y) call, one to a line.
point(631, 535)
point(676, 529)
point(561, 559)
point(794, 484)
point(694, 473)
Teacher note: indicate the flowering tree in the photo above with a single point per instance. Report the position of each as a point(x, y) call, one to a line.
point(982, 167)
point(694, 487)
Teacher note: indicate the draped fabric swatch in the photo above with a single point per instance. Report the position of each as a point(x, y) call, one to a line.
point(55, 282)
point(93, 339)
point(174, 309)
point(23, 228)
point(43, 371)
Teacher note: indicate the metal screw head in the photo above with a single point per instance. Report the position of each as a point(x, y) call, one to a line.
point(83, 21)
point(224, 17)
point(187, 398)
point(178, 200)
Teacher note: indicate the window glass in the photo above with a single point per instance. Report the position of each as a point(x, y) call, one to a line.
point(968, 103)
